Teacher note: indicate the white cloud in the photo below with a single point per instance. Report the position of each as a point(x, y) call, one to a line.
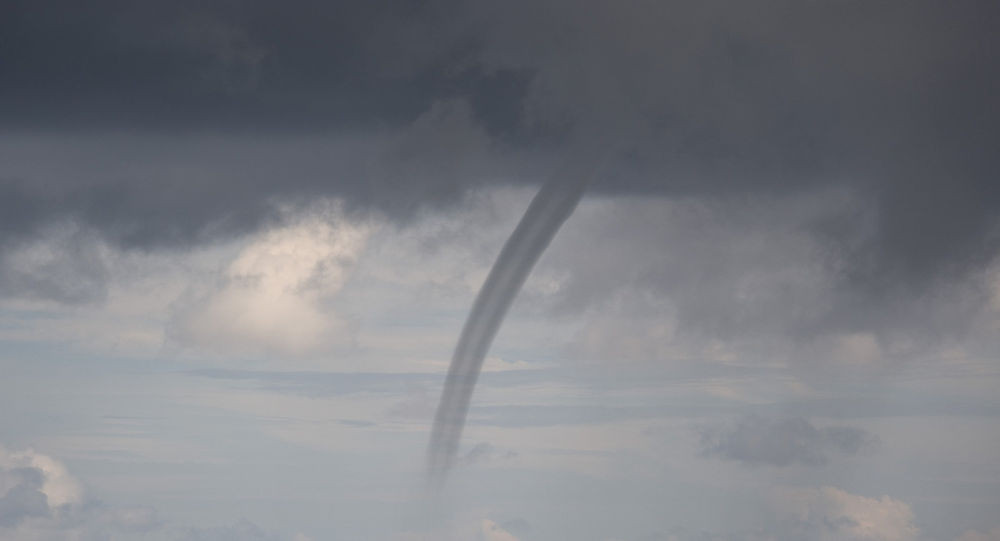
point(831, 514)
point(59, 487)
point(41, 501)
point(491, 531)
point(272, 296)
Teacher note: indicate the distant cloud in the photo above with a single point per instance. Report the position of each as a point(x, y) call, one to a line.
point(820, 514)
point(973, 535)
point(755, 440)
point(483, 452)
point(243, 530)
point(491, 531)
point(40, 500)
point(828, 514)
point(51, 477)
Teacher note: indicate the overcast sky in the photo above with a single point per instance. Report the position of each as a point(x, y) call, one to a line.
point(239, 239)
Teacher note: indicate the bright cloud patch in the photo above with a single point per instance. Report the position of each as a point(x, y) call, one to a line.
point(40, 500)
point(828, 514)
point(273, 296)
point(492, 531)
point(44, 475)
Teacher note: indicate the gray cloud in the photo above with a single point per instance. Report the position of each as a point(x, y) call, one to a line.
point(243, 530)
point(40, 500)
point(165, 125)
point(817, 514)
point(63, 264)
point(195, 64)
point(828, 513)
point(892, 98)
point(24, 498)
point(659, 279)
point(485, 452)
point(755, 441)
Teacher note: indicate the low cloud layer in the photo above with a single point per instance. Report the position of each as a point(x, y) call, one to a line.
point(220, 113)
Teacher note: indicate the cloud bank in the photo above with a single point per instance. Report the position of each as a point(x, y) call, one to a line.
point(437, 99)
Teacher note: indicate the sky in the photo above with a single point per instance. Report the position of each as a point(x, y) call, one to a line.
point(239, 240)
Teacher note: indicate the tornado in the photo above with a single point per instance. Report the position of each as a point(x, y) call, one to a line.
point(550, 207)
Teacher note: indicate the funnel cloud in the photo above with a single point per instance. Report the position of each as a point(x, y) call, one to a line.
point(551, 206)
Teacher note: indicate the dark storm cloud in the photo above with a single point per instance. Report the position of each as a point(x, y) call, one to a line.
point(208, 64)
point(755, 440)
point(163, 190)
point(891, 99)
point(162, 124)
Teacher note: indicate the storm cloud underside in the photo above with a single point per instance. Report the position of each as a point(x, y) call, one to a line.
point(224, 111)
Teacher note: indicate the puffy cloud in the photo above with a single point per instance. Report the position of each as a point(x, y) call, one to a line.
point(41, 501)
point(755, 440)
point(491, 531)
point(831, 514)
point(22, 496)
point(274, 295)
point(48, 476)
point(818, 514)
